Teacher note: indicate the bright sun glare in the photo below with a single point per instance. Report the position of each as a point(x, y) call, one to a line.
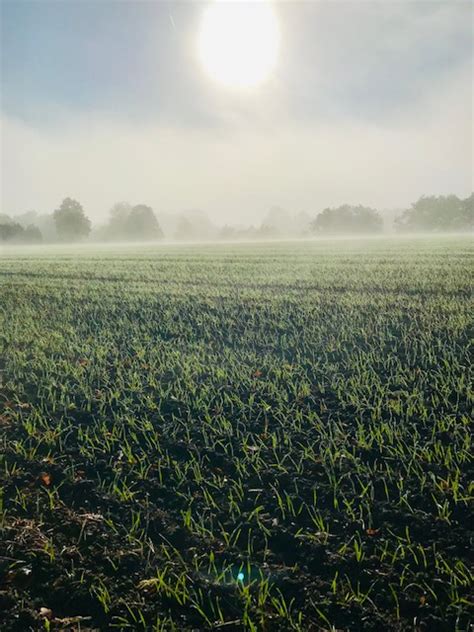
point(238, 42)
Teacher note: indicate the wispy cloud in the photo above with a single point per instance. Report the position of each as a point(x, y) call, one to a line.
point(237, 173)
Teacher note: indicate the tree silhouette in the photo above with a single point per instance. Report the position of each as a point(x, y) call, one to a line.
point(14, 232)
point(71, 221)
point(348, 220)
point(141, 223)
point(442, 213)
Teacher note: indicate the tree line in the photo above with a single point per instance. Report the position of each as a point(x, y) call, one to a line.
point(127, 222)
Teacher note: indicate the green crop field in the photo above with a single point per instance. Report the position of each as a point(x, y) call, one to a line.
point(250, 437)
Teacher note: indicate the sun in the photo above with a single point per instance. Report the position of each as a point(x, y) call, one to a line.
point(238, 42)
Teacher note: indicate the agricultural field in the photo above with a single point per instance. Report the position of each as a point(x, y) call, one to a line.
point(262, 437)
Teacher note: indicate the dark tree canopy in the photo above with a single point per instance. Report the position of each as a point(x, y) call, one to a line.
point(348, 220)
point(129, 222)
point(71, 221)
point(117, 226)
point(11, 231)
point(442, 213)
point(32, 234)
point(142, 223)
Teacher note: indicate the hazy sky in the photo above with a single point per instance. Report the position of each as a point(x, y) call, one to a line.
point(105, 100)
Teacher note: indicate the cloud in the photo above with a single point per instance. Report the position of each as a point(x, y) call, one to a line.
point(238, 170)
point(128, 59)
point(369, 59)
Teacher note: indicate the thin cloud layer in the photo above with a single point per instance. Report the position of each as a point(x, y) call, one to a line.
point(371, 103)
